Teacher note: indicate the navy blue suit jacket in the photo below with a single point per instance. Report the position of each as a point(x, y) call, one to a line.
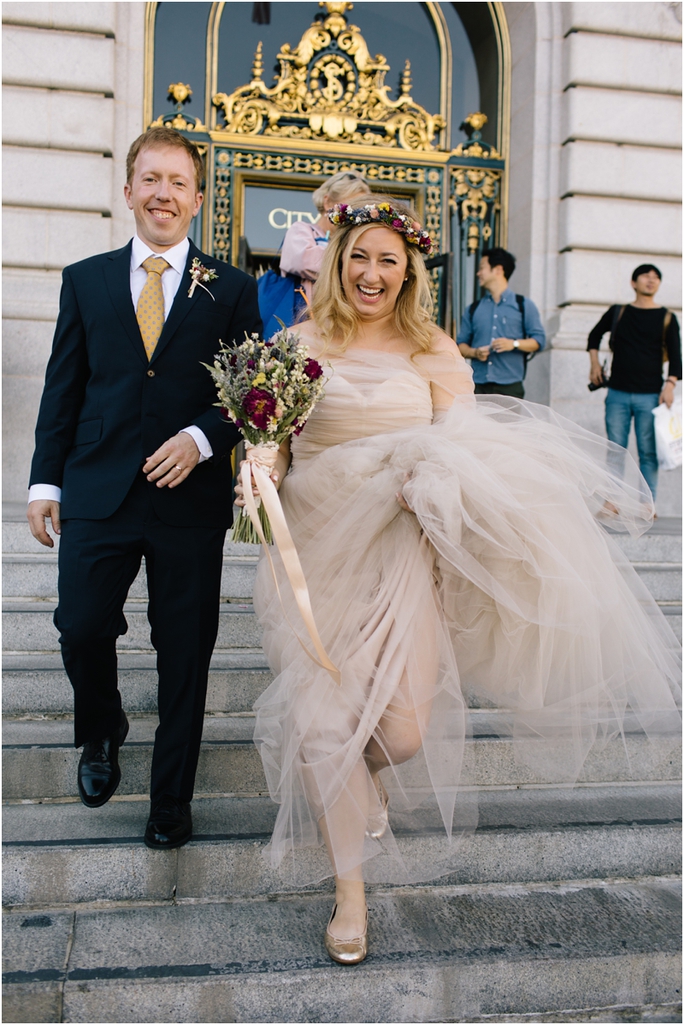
point(105, 409)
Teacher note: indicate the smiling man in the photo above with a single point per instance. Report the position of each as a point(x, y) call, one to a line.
point(132, 459)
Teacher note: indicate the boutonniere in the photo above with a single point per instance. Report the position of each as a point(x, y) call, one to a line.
point(199, 274)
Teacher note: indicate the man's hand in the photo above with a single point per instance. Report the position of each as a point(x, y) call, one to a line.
point(481, 352)
point(38, 512)
point(667, 394)
point(173, 461)
point(502, 344)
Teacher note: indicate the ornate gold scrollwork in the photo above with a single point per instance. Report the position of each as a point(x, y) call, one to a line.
point(476, 191)
point(222, 218)
point(329, 87)
point(180, 93)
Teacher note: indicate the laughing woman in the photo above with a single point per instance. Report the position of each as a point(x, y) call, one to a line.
point(451, 547)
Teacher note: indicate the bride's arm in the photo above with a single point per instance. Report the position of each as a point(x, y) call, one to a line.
point(282, 463)
point(450, 375)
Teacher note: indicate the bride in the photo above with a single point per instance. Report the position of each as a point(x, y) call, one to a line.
point(454, 556)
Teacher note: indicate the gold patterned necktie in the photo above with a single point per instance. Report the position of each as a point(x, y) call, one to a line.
point(150, 312)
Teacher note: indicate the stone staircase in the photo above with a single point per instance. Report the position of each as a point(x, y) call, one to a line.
point(564, 906)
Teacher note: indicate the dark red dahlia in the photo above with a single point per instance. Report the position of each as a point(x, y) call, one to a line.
point(259, 407)
point(313, 369)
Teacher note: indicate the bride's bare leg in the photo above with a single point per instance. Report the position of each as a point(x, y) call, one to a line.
point(399, 733)
point(343, 829)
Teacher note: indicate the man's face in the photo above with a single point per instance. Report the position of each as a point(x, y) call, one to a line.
point(163, 196)
point(487, 275)
point(646, 284)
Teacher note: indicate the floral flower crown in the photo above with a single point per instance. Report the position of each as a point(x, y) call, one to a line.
point(383, 213)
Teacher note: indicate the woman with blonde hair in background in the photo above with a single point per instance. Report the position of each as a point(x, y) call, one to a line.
point(305, 243)
point(451, 548)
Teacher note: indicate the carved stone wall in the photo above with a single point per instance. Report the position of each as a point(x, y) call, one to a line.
point(594, 178)
point(73, 82)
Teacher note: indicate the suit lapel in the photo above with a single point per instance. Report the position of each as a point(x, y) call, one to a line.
point(182, 303)
point(118, 278)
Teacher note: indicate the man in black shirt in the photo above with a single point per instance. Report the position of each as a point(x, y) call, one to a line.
point(643, 336)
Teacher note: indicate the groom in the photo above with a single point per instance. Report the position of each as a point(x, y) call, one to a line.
point(132, 459)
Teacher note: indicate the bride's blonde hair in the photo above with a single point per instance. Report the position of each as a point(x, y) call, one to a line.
point(333, 314)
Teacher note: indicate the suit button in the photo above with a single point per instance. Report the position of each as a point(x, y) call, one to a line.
point(150, 373)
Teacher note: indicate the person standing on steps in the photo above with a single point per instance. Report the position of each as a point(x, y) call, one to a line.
point(501, 331)
point(132, 459)
point(643, 336)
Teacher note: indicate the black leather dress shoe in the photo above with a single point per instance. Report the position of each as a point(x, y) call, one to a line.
point(98, 770)
point(169, 824)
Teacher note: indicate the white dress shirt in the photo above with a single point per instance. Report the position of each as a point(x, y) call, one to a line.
point(176, 257)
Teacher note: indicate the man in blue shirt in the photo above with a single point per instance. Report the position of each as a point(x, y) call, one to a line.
point(498, 331)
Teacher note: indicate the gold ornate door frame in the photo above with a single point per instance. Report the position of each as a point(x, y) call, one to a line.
point(329, 110)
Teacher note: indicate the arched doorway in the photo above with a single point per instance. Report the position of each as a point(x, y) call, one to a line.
point(284, 94)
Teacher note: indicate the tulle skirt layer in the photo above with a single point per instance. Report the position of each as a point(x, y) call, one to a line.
point(501, 591)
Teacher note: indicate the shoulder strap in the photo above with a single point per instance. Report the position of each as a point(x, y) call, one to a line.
point(520, 299)
point(473, 307)
point(617, 313)
point(667, 320)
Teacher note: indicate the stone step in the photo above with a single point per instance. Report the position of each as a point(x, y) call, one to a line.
point(35, 682)
point(64, 853)
point(28, 626)
point(608, 950)
point(39, 760)
point(17, 538)
point(663, 542)
point(35, 576)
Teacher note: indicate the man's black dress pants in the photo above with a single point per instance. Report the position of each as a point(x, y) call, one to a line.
point(98, 562)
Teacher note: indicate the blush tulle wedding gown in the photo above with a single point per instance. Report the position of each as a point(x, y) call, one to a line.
point(502, 592)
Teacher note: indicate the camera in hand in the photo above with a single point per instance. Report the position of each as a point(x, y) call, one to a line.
point(604, 382)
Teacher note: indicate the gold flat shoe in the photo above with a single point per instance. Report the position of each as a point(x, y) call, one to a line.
point(377, 824)
point(346, 951)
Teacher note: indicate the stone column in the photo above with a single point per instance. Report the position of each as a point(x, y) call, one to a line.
point(73, 85)
point(595, 178)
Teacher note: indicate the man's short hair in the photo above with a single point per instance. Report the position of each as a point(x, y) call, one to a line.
point(155, 138)
point(499, 257)
point(645, 268)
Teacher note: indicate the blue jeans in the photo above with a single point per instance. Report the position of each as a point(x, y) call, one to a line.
point(621, 406)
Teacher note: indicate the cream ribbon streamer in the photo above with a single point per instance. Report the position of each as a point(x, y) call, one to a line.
point(258, 465)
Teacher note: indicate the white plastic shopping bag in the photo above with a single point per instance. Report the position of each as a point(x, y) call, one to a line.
point(668, 432)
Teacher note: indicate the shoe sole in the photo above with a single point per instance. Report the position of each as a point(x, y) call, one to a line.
point(99, 804)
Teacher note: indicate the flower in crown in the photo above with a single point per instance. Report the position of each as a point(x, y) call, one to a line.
point(383, 213)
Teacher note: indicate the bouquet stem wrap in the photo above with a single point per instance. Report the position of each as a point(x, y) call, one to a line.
point(258, 466)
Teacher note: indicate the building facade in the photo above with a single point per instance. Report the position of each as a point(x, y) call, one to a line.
point(577, 168)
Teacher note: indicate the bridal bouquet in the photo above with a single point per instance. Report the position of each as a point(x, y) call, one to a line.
point(268, 389)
